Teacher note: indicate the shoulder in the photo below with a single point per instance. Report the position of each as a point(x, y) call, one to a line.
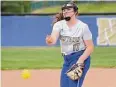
point(84, 27)
point(59, 23)
point(82, 24)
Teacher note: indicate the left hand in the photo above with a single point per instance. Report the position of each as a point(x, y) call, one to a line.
point(75, 72)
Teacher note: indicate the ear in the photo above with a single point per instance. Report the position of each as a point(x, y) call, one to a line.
point(76, 13)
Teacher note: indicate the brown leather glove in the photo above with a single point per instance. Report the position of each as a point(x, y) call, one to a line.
point(76, 71)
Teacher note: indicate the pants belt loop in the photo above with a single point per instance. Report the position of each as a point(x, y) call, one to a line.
point(63, 54)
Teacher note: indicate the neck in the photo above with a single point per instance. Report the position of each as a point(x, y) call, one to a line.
point(72, 21)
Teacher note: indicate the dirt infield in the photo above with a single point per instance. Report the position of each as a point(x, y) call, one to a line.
point(50, 78)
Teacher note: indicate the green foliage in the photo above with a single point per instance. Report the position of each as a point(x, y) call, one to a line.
point(15, 7)
point(55, 6)
point(100, 7)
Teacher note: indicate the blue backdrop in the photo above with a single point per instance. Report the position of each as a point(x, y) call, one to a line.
point(32, 30)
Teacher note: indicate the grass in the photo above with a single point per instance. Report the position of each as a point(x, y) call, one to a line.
point(42, 57)
point(104, 57)
point(83, 8)
point(20, 58)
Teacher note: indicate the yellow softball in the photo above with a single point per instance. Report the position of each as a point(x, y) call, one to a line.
point(25, 74)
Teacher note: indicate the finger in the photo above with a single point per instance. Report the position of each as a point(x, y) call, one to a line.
point(48, 36)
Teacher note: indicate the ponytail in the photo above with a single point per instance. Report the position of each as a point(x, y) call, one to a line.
point(57, 18)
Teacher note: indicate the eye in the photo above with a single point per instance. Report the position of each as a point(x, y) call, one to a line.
point(64, 10)
point(69, 9)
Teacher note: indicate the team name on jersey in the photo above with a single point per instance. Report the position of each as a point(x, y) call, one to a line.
point(69, 39)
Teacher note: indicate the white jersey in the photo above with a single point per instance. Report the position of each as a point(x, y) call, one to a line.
point(72, 40)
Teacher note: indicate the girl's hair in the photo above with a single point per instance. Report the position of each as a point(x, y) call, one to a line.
point(57, 18)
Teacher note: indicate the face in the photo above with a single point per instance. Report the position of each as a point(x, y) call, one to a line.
point(68, 12)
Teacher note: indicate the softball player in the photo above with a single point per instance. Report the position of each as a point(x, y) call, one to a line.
point(75, 40)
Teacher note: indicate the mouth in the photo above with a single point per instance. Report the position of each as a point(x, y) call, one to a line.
point(66, 15)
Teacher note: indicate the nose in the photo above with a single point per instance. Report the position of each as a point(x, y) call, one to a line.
point(65, 12)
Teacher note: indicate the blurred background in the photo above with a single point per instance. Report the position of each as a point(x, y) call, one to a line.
point(25, 24)
point(23, 21)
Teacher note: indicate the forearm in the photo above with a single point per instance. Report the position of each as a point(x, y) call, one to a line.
point(85, 55)
point(52, 39)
